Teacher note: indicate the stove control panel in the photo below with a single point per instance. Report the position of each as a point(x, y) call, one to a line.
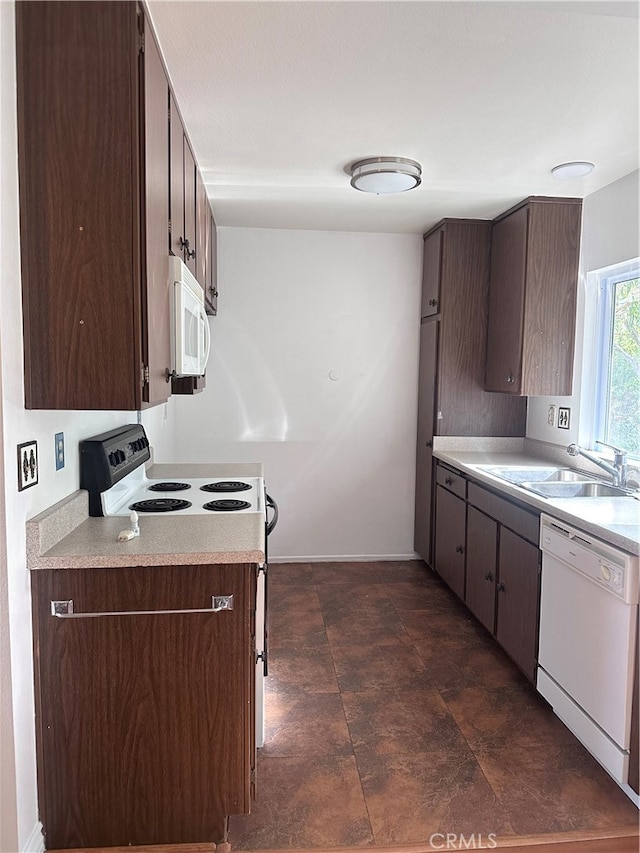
point(107, 458)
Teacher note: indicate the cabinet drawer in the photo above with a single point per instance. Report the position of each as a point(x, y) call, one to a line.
point(455, 483)
point(518, 519)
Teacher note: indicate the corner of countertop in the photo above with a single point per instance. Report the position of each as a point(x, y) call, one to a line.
point(45, 530)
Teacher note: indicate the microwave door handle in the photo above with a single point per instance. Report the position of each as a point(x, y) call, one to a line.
point(207, 336)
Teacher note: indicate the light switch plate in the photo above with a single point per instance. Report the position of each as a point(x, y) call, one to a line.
point(59, 442)
point(27, 465)
point(564, 418)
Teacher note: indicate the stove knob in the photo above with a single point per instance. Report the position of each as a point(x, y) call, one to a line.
point(112, 460)
point(120, 456)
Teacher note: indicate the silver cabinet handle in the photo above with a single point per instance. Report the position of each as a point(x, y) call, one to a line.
point(64, 609)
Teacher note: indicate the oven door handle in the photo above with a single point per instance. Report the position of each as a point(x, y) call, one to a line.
point(271, 504)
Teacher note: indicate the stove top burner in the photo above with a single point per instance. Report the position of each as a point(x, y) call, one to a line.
point(226, 486)
point(226, 505)
point(160, 505)
point(169, 487)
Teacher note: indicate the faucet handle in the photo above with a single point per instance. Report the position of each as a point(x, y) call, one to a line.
point(573, 450)
point(618, 451)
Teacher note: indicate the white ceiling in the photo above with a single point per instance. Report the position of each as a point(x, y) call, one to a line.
point(280, 97)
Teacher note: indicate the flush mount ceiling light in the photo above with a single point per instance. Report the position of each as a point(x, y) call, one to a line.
point(383, 175)
point(578, 169)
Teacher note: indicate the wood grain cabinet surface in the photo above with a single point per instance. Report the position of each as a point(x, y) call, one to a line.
point(486, 551)
point(451, 395)
point(93, 164)
point(144, 721)
point(450, 545)
point(532, 299)
point(482, 562)
point(192, 235)
point(211, 287)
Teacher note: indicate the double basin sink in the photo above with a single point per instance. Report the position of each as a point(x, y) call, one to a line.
point(557, 482)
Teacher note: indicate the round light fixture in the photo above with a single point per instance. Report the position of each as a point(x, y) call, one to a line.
point(578, 169)
point(382, 175)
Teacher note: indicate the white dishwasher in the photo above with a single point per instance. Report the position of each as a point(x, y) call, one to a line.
point(588, 615)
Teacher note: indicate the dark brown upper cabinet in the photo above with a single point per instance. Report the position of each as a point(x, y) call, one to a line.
point(93, 165)
point(177, 234)
point(192, 226)
point(532, 298)
point(202, 259)
point(190, 218)
point(211, 289)
point(203, 231)
point(431, 269)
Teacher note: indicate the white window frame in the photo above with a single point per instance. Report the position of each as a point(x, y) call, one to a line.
point(597, 338)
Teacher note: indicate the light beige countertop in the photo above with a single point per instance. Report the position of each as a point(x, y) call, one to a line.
point(614, 520)
point(65, 537)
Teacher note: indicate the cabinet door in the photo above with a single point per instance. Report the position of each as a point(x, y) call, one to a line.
point(464, 407)
point(176, 144)
point(506, 302)
point(518, 600)
point(79, 160)
point(190, 208)
point(142, 720)
point(424, 450)
point(450, 539)
point(203, 231)
point(553, 251)
point(156, 287)
point(211, 290)
point(482, 560)
point(431, 274)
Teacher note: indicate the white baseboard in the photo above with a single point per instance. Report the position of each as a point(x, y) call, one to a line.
point(344, 558)
point(35, 841)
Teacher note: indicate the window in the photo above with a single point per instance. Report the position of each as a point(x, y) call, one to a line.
point(617, 373)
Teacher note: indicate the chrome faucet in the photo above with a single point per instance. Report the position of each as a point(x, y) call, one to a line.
point(618, 470)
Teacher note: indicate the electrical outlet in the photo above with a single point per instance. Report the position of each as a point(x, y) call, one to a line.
point(27, 464)
point(564, 418)
point(59, 450)
point(551, 416)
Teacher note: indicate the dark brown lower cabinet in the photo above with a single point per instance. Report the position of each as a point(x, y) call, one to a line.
point(450, 539)
point(486, 552)
point(144, 720)
point(518, 600)
point(482, 559)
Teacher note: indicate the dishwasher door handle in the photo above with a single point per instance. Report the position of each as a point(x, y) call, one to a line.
point(64, 609)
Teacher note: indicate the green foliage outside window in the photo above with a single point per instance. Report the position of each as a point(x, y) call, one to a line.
point(623, 415)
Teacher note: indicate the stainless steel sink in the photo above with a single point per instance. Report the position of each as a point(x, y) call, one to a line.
point(538, 475)
point(574, 489)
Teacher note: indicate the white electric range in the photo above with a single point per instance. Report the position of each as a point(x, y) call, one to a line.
point(112, 470)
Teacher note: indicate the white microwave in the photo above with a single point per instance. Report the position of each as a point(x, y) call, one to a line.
point(191, 335)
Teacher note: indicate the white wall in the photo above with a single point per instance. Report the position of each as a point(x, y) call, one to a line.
point(314, 372)
point(19, 805)
point(610, 234)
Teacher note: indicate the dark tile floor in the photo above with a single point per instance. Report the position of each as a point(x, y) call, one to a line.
point(392, 715)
